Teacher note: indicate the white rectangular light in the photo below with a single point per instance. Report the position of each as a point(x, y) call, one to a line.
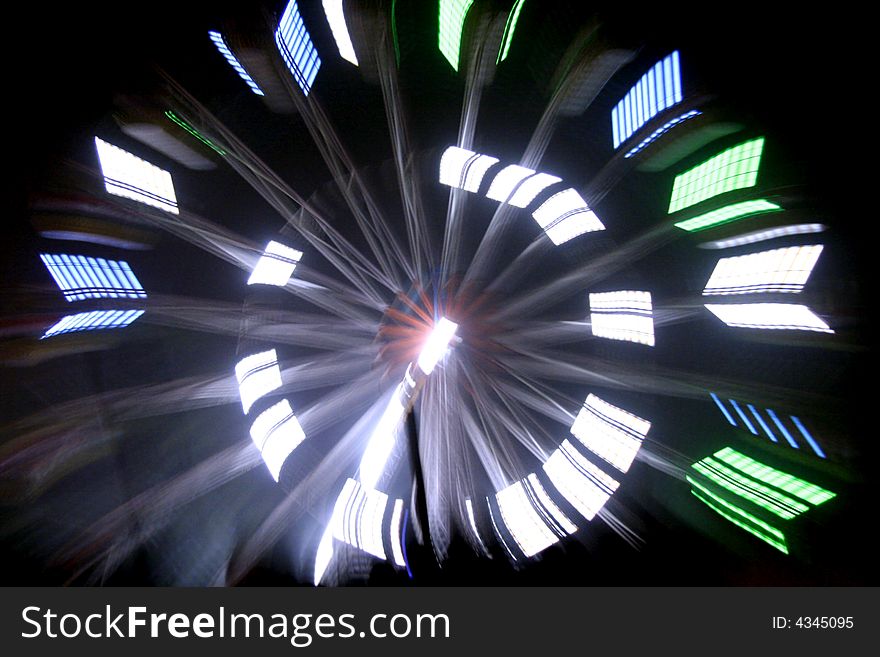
point(436, 345)
point(531, 525)
point(623, 315)
point(763, 235)
point(220, 42)
point(611, 433)
point(530, 188)
point(506, 181)
point(336, 18)
point(276, 432)
point(769, 316)
point(81, 277)
point(565, 215)
point(395, 533)
point(357, 518)
point(656, 90)
point(580, 482)
point(129, 176)
point(778, 270)
point(97, 319)
point(464, 169)
point(275, 266)
point(258, 375)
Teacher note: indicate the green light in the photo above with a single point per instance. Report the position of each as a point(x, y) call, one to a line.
point(195, 133)
point(507, 39)
point(394, 31)
point(727, 214)
point(743, 519)
point(452, 15)
point(790, 484)
point(765, 497)
point(735, 168)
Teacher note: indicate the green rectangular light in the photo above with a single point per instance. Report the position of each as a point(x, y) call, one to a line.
point(452, 15)
point(734, 168)
point(727, 214)
point(509, 27)
point(743, 519)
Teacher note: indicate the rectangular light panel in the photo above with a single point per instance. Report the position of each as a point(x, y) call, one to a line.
point(82, 277)
point(220, 42)
point(580, 482)
point(97, 319)
point(509, 28)
point(451, 23)
point(659, 132)
point(727, 214)
point(776, 316)
point(357, 518)
point(778, 270)
point(296, 47)
point(506, 181)
point(734, 168)
point(257, 375)
point(763, 235)
point(623, 315)
point(656, 91)
point(275, 266)
point(276, 432)
point(130, 177)
point(336, 18)
point(464, 169)
point(565, 215)
point(611, 433)
point(532, 526)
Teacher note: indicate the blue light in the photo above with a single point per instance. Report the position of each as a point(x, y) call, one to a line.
point(666, 127)
point(782, 428)
point(89, 321)
point(762, 423)
point(657, 90)
point(743, 416)
point(80, 277)
point(296, 48)
point(220, 42)
point(723, 409)
point(809, 438)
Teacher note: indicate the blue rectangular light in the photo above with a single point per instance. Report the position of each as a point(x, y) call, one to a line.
point(81, 277)
point(762, 423)
point(743, 416)
point(656, 90)
point(89, 321)
point(222, 46)
point(809, 437)
point(723, 409)
point(296, 47)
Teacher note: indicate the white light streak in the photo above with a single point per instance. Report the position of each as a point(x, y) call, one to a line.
point(506, 180)
point(395, 533)
point(257, 375)
point(611, 433)
point(275, 266)
point(336, 18)
point(90, 321)
point(565, 215)
point(473, 521)
point(382, 441)
point(276, 432)
point(623, 315)
point(763, 235)
point(769, 316)
point(131, 177)
point(436, 345)
point(464, 169)
point(580, 482)
point(357, 518)
point(779, 270)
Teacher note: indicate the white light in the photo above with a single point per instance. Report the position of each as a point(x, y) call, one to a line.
point(323, 555)
point(275, 266)
point(779, 270)
point(97, 319)
point(565, 215)
point(464, 169)
point(381, 442)
point(220, 42)
point(580, 482)
point(395, 536)
point(544, 502)
point(473, 521)
point(529, 189)
point(530, 524)
point(623, 315)
point(336, 18)
point(80, 277)
point(661, 86)
point(276, 432)
point(257, 375)
point(131, 177)
point(357, 518)
point(769, 316)
point(610, 432)
point(436, 345)
point(296, 47)
point(763, 235)
point(506, 180)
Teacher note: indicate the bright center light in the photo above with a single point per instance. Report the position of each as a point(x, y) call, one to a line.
point(436, 345)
